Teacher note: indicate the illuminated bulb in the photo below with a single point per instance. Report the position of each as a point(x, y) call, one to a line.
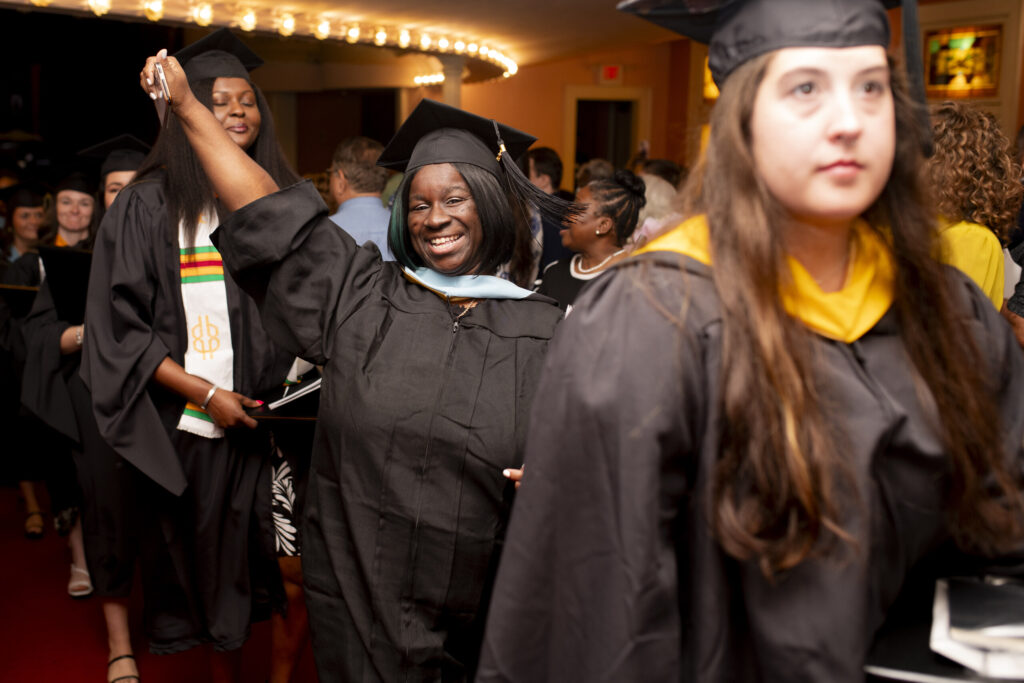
point(380, 37)
point(201, 13)
point(443, 43)
point(425, 41)
point(460, 46)
point(404, 38)
point(353, 34)
point(507, 74)
point(287, 24)
point(99, 7)
point(323, 29)
point(483, 50)
point(472, 48)
point(153, 9)
point(513, 69)
point(247, 19)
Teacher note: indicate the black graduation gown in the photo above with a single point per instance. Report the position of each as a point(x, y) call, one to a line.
point(50, 433)
point(419, 415)
point(198, 493)
point(17, 438)
point(610, 572)
point(104, 491)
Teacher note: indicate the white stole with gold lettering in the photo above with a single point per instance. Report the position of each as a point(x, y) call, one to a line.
point(209, 353)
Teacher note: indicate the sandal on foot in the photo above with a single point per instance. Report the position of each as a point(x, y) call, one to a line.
point(34, 529)
point(128, 677)
point(80, 584)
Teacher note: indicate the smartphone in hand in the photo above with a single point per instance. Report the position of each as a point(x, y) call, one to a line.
point(163, 81)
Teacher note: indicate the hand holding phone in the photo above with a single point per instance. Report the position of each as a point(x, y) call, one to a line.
point(163, 81)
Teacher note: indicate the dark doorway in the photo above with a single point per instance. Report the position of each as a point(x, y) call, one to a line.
point(604, 130)
point(323, 119)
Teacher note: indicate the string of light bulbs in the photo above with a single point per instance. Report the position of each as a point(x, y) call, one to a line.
point(287, 23)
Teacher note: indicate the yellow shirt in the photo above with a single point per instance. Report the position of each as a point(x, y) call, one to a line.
point(975, 251)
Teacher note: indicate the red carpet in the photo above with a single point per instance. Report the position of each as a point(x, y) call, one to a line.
point(49, 637)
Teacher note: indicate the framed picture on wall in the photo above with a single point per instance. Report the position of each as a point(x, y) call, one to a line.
point(963, 61)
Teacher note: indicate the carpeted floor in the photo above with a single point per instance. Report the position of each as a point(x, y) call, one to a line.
point(46, 636)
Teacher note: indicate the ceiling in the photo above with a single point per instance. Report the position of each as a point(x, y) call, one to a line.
point(525, 31)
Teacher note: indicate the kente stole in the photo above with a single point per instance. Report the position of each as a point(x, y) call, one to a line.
point(209, 353)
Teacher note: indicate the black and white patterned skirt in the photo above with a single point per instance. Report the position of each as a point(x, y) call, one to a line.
point(287, 541)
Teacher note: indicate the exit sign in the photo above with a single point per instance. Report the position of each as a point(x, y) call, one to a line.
point(611, 74)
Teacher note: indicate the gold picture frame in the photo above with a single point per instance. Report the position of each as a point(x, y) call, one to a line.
point(963, 62)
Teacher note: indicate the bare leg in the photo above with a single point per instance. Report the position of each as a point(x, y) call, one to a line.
point(119, 640)
point(225, 667)
point(33, 515)
point(76, 545)
point(288, 635)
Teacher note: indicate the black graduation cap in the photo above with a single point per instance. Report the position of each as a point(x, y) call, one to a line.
point(739, 30)
point(75, 181)
point(437, 133)
point(123, 153)
point(218, 55)
point(15, 196)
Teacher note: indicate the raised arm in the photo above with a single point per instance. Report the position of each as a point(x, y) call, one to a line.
point(236, 178)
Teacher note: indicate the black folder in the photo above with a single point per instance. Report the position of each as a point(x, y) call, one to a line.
point(67, 272)
point(18, 298)
point(294, 402)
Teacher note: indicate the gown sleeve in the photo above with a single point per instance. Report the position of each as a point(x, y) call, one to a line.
point(44, 390)
point(587, 585)
point(305, 275)
point(122, 348)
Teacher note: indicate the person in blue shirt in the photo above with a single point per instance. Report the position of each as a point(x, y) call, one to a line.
point(356, 184)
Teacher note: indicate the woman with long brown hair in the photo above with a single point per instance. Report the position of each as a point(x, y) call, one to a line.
point(750, 433)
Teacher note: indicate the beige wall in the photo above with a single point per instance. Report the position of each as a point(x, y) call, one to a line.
point(535, 99)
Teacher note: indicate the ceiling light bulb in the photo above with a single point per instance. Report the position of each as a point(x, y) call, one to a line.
point(380, 37)
point(472, 48)
point(286, 27)
point(247, 19)
point(404, 38)
point(460, 46)
point(153, 9)
point(484, 50)
point(322, 29)
point(425, 41)
point(353, 34)
point(98, 7)
point(513, 68)
point(443, 43)
point(201, 13)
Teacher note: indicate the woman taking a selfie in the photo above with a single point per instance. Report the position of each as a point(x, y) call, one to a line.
point(429, 364)
point(173, 351)
point(751, 432)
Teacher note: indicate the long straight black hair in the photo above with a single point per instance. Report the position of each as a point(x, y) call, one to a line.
point(187, 190)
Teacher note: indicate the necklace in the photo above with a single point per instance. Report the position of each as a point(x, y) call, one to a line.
point(577, 262)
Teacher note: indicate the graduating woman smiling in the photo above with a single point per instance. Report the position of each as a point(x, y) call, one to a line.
point(750, 433)
point(430, 365)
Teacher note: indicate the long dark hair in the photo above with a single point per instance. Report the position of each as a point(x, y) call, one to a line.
point(501, 219)
point(780, 472)
point(187, 190)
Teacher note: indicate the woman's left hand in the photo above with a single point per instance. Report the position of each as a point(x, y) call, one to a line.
point(515, 475)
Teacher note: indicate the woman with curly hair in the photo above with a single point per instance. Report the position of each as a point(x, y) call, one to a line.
point(977, 192)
